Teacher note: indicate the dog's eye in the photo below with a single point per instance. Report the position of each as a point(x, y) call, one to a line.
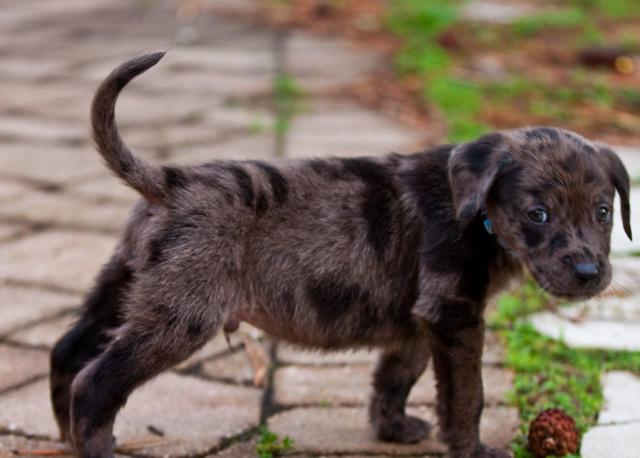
point(538, 216)
point(603, 214)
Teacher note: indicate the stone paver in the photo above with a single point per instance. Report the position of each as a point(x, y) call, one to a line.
point(619, 388)
point(590, 333)
point(45, 131)
point(21, 306)
point(194, 415)
point(8, 231)
point(45, 334)
point(312, 62)
point(238, 450)
point(318, 131)
point(105, 187)
point(620, 441)
point(11, 189)
point(53, 164)
point(63, 210)
point(619, 422)
point(235, 367)
point(256, 146)
point(351, 385)
point(18, 365)
point(65, 259)
point(346, 430)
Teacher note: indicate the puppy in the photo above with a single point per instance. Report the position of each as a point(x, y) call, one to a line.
point(395, 252)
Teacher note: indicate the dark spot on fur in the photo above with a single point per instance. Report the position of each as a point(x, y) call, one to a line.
point(580, 234)
point(508, 185)
point(457, 169)
point(332, 299)
point(126, 166)
point(102, 308)
point(174, 177)
point(449, 246)
point(278, 182)
point(533, 236)
point(590, 177)
point(477, 155)
point(194, 328)
point(245, 185)
point(327, 169)
point(165, 314)
point(178, 229)
point(455, 316)
point(570, 164)
point(588, 253)
point(261, 204)
point(287, 300)
point(542, 133)
point(558, 242)
point(378, 200)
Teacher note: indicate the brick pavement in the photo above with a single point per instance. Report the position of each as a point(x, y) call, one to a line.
point(61, 210)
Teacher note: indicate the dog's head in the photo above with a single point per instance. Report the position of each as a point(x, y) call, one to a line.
point(548, 194)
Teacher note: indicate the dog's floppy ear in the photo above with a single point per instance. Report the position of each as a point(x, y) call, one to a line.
point(620, 178)
point(473, 168)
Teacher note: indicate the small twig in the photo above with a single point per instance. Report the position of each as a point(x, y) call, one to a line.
point(142, 444)
point(59, 451)
point(258, 358)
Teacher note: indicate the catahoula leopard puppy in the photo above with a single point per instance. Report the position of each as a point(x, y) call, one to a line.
point(396, 252)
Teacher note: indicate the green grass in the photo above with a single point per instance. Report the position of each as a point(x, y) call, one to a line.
point(560, 19)
point(611, 8)
point(419, 20)
point(548, 373)
point(269, 445)
point(419, 23)
point(629, 98)
point(287, 94)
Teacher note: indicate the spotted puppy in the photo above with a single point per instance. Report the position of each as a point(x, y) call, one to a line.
point(394, 252)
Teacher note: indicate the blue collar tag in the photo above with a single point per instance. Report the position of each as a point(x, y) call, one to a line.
point(488, 225)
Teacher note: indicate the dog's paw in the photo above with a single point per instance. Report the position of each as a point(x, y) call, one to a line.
point(484, 451)
point(403, 430)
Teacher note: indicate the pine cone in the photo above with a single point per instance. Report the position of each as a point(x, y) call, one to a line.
point(553, 432)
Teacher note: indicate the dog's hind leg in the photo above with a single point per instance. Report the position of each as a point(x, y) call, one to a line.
point(165, 323)
point(87, 337)
point(395, 375)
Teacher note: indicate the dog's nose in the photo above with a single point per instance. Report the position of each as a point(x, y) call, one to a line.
point(586, 271)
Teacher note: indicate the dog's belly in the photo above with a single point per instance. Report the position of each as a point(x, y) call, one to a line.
point(332, 338)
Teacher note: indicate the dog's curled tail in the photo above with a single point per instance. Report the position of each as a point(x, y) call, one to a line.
point(141, 176)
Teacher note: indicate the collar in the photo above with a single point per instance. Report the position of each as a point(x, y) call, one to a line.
point(488, 225)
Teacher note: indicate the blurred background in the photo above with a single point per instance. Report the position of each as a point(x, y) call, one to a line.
point(267, 79)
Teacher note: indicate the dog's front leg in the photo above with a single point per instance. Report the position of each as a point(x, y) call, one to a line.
point(396, 373)
point(457, 353)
